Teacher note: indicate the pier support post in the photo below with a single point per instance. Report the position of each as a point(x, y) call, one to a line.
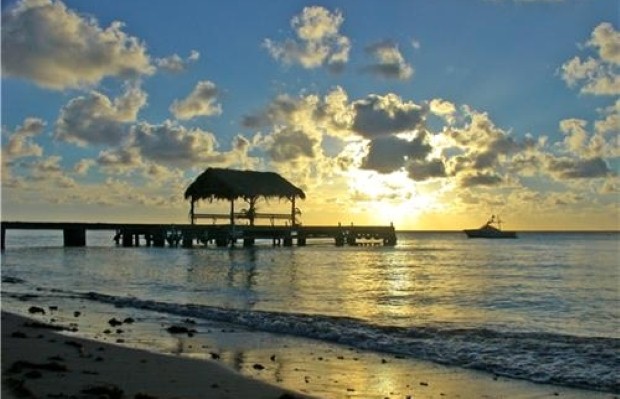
point(187, 242)
point(159, 240)
point(248, 242)
point(301, 241)
point(2, 244)
point(74, 237)
point(287, 241)
point(127, 239)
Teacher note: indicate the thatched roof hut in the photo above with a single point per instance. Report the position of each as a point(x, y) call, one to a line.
point(230, 184)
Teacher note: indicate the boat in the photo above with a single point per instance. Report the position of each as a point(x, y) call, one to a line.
point(491, 229)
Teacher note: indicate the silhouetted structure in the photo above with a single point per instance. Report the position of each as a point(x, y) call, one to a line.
point(250, 186)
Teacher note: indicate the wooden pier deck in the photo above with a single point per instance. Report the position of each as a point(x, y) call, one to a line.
point(221, 235)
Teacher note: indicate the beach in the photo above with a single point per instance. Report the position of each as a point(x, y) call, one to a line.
point(42, 357)
point(38, 362)
point(435, 317)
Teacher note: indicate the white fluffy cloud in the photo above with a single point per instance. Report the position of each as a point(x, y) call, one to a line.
point(390, 63)
point(200, 102)
point(95, 119)
point(44, 41)
point(20, 144)
point(176, 64)
point(597, 75)
point(318, 41)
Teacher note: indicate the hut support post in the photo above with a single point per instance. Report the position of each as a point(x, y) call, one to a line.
point(232, 213)
point(293, 211)
point(191, 211)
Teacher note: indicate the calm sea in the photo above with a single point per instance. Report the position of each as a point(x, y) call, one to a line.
point(544, 307)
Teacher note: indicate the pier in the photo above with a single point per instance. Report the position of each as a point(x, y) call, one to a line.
point(219, 235)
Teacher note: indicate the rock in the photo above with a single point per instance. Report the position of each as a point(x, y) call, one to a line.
point(180, 330)
point(18, 334)
point(114, 323)
point(258, 366)
point(214, 355)
point(76, 314)
point(128, 320)
point(107, 391)
point(35, 310)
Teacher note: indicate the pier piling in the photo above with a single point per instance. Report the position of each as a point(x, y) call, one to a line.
point(73, 237)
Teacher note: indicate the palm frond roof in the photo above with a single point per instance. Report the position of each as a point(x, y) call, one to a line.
point(230, 184)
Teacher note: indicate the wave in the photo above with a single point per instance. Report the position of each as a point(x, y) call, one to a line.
point(582, 362)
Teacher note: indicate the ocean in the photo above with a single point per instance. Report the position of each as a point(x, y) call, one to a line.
point(542, 308)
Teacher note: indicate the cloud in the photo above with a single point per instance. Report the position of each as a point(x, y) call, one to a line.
point(390, 63)
point(479, 179)
point(380, 115)
point(603, 141)
point(95, 119)
point(121, 160)
point(389, 154)
point(175, 64)
point(20, 142)
point(318, 41)
point(173, 144)
point(288, 144)
point(420, 170)
point(44, 41)
point(600, 75)
point(567, 168)
point(83, 166)
point(200, 102)
point(607, 40)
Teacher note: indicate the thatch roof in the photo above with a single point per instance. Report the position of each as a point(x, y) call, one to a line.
point(230, 184)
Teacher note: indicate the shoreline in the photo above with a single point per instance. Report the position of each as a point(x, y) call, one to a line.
point(38, 361)
point(222, 362)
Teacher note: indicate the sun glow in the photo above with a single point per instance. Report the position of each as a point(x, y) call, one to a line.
point(392, 198)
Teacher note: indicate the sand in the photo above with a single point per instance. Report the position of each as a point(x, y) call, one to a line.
point(38, 362)
point(42, 363)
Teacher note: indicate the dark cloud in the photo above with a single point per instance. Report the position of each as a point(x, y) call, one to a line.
point(479, 179)
point(172, 143)
point(566, 168)
point(381, 115)
point(278, 111)
point(290, 144)
point(421, 170)
point(95, 119)
point(389, 154)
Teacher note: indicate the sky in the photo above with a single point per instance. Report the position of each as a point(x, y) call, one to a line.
point(425, 114)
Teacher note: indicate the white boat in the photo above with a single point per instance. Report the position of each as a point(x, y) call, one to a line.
point(491, 229)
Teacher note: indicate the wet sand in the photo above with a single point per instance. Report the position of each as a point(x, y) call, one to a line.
point(38, 362)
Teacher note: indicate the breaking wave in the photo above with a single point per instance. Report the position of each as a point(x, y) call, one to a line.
point(582, 362)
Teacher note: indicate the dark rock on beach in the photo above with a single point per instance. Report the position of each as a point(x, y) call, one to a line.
point(114, 322)
point(180, 330)
point(106, 391)
point(36, 310)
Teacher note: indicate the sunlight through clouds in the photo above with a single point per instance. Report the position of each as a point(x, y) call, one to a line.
point(87, 120)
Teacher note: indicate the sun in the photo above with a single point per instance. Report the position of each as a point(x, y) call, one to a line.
point(392, 198)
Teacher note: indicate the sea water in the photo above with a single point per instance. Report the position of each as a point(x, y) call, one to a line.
point(543, 307)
